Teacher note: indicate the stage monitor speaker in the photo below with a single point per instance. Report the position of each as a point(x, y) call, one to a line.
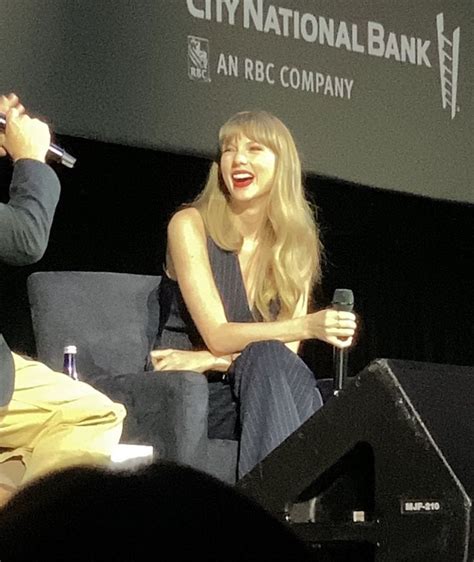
point(383, 471)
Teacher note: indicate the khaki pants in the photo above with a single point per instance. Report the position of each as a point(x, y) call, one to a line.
point(53, 422)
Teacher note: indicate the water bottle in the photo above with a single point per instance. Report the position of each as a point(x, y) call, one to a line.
point(69, 366)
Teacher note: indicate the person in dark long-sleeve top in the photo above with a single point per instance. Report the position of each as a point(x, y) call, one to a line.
point(47, 420)
point(25, 221)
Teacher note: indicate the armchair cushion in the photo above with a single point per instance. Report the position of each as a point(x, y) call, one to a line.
point(111, 317)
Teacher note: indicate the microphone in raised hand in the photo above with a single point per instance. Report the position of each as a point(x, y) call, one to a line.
point(342, 300)
point(55, 153)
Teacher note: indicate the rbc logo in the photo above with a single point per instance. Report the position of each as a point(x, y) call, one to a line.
point(198, 59)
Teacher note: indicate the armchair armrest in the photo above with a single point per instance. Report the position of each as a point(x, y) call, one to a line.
point(168, 411)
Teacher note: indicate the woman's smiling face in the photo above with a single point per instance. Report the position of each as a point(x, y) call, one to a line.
point(247, 168)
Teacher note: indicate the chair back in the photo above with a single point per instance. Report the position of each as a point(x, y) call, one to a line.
point(112, 318)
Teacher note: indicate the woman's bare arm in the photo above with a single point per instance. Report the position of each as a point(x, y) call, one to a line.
point(187, 247)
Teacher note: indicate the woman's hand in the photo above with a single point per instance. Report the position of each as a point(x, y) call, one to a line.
point(179, 360)
point(335, 327)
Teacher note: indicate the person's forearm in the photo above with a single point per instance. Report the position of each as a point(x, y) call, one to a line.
point(233, 337)
point(25, 222)
point(220, 363)
point(169, 359)
point(210, 362)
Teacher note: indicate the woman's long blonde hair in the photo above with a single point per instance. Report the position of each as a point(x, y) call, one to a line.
point(288, 255)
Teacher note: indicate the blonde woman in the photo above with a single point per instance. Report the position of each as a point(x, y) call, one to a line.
point(242, 261)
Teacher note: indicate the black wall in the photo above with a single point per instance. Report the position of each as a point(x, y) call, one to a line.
point(406, 258)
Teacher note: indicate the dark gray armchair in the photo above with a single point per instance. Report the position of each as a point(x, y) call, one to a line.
point(113, 320)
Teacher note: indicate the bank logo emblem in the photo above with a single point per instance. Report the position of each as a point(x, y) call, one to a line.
point(448, 52)
point(198, 59)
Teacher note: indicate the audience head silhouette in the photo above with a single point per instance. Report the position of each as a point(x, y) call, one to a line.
point(165, 510)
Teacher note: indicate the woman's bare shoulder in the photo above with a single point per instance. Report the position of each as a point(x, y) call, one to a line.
point(186, 222)
point(186, 218)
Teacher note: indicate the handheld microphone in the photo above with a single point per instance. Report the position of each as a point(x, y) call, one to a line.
point(55, 153)
point(343, 299)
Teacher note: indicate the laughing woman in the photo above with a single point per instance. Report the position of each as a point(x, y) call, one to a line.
point(242, 261)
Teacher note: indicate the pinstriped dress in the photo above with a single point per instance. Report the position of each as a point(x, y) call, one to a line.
point(269, 391)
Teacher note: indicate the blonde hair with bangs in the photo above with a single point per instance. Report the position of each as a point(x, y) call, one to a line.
point(289, 251)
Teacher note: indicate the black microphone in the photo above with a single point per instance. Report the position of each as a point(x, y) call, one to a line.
point(55, 153)
point(343, 299)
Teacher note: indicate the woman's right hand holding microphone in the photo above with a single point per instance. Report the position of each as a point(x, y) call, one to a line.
point(336, 327)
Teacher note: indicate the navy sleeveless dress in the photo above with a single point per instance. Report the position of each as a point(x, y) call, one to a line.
point(268, 391)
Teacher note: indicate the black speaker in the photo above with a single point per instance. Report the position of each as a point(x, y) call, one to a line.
point(383, 471)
